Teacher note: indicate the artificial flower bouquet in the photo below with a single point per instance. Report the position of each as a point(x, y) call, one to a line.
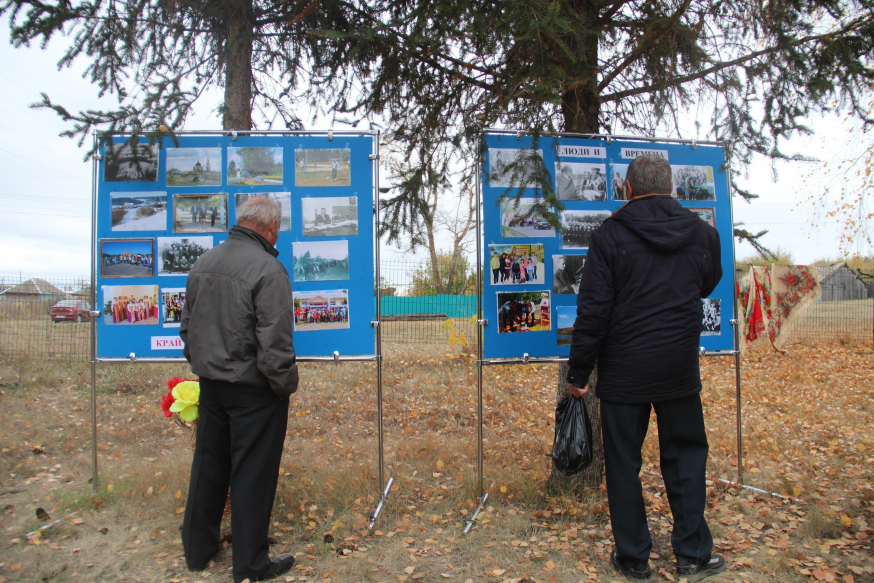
point(182, 401)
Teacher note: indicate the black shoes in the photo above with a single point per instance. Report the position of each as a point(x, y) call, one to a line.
point(633, 570)
point(278, 567)
point(696, 571)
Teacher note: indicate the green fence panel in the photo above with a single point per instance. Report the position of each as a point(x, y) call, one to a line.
point(452, 306)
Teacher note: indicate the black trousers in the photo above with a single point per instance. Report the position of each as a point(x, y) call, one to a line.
point(683, 459)
point(240, 435)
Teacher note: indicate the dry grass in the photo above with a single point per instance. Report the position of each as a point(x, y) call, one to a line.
point(809, 433)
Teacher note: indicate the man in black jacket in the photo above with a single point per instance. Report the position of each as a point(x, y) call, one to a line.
point(237, 327)
point(639, 316)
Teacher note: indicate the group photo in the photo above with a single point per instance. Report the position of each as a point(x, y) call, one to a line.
point(255, 166)
point(330, 216)
point(322, 167)
point(138, 211)
point(579, 226)
point(711, 324)
point(127, 257)
point(321, 310)
point(518, 220)
point(567, 272)
point(517, 264)
point(523, 312)
point(130, 304)
point(580, 181)
point(320, 260)
point(194, 166)
point(282, 200)
point(125, 163)
point(693, 182)
point(172, 302)
point(176, 255)
point(200, 213)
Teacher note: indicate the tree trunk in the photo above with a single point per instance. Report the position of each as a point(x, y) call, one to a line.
point(580, 108)
point(237, 108)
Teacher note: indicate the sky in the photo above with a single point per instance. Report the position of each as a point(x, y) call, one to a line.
point(45, 199)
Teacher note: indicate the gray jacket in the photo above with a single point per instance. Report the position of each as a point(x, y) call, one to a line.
point(238, 317)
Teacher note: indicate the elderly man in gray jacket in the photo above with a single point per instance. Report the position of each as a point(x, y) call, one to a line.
point(237, 327)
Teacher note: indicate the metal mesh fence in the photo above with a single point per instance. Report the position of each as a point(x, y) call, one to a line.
point(29, 329)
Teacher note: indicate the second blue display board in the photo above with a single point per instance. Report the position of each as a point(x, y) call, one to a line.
point(160, 206)
point(532, 271)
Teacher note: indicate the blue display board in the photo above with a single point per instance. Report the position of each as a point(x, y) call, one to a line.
point(531, 308)
point(161, 206)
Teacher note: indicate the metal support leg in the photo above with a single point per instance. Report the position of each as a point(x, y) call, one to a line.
point(94, 475)
point(482, 503)
point(740, 462)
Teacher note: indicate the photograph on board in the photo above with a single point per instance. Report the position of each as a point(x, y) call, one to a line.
point(138, 211)
point(194, 166)
point(513, 167)
point(200, 213)
point(711, 324)
point(693, 182)
point(617, 176)
point(321, 310)
point(517, 264)
point(320, 260)
point(282, 200)
point(565, 316)
point(708, 215)
point(579, 226)
point(172, 302)
point(581, 181)
point(322, 167)
point(176, 255)
point(130, 304)
point(255, 166)
point(523, 312)
point(335, 216)
point(124, 163)
point(127, 258)
point(519, 221)
point(567, 271)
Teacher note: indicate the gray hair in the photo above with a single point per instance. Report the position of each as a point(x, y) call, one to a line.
point(650, 175)
point(259, 212)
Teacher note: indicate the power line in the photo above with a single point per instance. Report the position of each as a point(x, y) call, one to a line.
point(6, 212)
point(42, 165)
point(79, 163)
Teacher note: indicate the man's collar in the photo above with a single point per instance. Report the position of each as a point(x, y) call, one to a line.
point(241, 232)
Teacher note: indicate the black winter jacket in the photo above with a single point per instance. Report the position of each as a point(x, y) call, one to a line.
point(639, 306)
point(238, 319)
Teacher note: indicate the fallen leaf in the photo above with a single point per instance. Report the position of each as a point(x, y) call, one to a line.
point(16, 567)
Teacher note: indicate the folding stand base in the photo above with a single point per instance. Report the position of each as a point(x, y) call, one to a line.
point(479, 508)
point(375, 514)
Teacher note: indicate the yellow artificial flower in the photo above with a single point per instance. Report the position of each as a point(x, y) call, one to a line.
point(187, 395)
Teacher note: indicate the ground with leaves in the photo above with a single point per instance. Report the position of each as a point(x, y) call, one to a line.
point(808, 419)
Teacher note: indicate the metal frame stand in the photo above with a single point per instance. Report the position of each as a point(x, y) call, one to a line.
point(384, 488)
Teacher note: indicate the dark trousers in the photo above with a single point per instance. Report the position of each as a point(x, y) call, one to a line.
point(683, 459)
point(240, 435)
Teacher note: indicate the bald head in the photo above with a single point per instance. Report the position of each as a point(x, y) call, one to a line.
point(262, 216)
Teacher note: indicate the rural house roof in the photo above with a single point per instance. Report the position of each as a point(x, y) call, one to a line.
point(827, 271)
point(34, 286)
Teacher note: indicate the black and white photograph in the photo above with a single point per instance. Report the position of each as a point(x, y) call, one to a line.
point(513, 167)
point(127, 257)
point(176, 255)
point(567, 272)
point(565, 316)
point(519, 221)
point(517, 264)
point(581, 181)
point(523, 312)
point(128, 164)
point(579, 226)
point(200, 213)
point(321, 310)
point(194, 166)
point(617, 177)
point(711, 325)
point(255, 166)
point(282, 200)
point(125, 305)
point(139, 211)
point(693, 182)
point(330, 216)
point(320, 260)
point(322, 167)
point(172, 302)
point(708, 215)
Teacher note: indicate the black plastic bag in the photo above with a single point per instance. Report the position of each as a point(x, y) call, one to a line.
point(572, 448)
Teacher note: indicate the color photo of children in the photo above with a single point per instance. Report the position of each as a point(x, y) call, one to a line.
point(517, 264)
point(321, 310)
point(172, 302)
point(130, 304)
point(523, 312)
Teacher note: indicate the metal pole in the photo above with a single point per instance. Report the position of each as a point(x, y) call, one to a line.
point(94, 315)
point(735, 322)
point(480, 322)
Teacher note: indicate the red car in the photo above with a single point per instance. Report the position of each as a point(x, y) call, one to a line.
point(72, 310)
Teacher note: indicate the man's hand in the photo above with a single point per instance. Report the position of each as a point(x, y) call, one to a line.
point(577, 393)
